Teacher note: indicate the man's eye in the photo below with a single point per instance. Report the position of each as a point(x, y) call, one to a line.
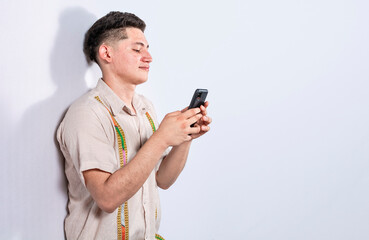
point(137, 50)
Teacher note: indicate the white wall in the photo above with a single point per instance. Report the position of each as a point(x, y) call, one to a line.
point(288, 154)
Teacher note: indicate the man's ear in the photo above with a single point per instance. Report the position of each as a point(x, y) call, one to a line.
point(104, 53)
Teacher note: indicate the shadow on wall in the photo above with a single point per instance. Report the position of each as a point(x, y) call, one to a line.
point(40, 200)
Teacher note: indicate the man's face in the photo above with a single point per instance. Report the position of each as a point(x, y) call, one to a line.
point(131, 58)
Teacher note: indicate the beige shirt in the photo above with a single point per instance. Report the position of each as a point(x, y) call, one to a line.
point(88, 140)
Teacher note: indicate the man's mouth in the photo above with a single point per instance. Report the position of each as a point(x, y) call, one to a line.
point(145, 68)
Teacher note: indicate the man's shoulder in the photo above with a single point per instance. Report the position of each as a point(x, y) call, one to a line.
point(85, 103)
point(84, 115)
point(85, 108)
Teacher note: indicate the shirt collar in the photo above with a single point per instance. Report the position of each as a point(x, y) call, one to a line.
point(115, 104)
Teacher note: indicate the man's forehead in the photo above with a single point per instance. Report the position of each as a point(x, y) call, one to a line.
point(136, 36)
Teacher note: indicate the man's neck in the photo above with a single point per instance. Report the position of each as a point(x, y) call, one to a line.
point(124, 90)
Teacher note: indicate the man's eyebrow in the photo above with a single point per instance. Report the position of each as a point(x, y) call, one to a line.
point(141, 44)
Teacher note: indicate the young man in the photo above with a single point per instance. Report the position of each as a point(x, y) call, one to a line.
point(115, 156)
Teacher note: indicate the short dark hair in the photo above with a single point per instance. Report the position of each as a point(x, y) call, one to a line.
point(111, 27)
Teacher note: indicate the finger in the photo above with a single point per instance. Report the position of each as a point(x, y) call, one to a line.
point(205, 128)
point(191, 112)
point(204, 106)
point(194, 119)
point(203, 110)
point(194, 130)
point(206, 120)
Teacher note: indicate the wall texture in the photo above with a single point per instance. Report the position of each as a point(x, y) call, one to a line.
point(288, 154)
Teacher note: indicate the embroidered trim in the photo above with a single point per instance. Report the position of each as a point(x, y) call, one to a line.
point(157, 236)
point(151, 121)
point(123, 230)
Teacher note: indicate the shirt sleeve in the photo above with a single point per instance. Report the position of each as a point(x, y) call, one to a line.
point(88, 140)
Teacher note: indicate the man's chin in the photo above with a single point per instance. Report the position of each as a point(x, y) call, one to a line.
point(141, 80)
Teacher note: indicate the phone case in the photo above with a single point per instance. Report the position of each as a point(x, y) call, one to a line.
point(198, 98)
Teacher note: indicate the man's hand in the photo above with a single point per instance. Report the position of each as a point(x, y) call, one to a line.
point(176, 126)
point(203, 122)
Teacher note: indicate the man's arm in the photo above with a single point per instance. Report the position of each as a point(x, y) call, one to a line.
point(111, 190)
point(173, 164)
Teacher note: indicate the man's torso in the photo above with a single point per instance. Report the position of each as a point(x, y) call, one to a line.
point(88, 140)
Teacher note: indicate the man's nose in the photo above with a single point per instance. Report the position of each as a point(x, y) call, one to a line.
point(147, 57)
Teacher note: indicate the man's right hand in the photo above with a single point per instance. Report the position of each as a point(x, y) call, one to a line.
point(176, 126)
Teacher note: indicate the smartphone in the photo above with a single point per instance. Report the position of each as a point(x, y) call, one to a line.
point(198, 98)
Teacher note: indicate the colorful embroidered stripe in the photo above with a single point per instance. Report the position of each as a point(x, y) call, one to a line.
point(157, 236)
point(121, 142)
point(119, 233)
point(151, 121)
